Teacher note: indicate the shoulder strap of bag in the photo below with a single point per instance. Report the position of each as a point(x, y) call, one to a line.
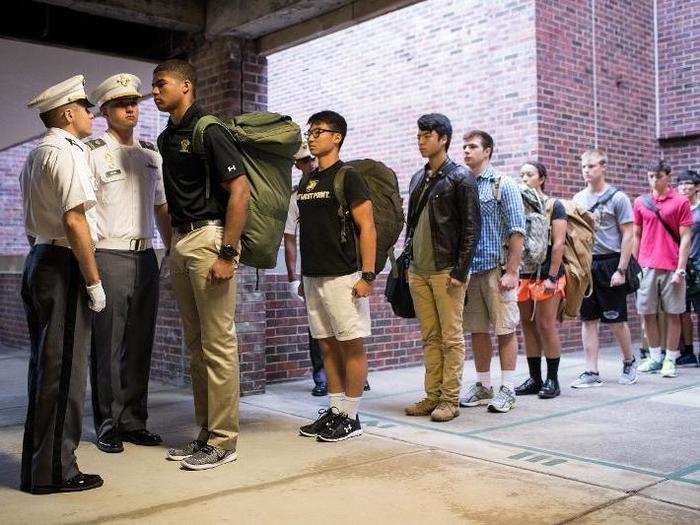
point(649, 203)
point(604, 199)
point(198, 146)
point(413, 219)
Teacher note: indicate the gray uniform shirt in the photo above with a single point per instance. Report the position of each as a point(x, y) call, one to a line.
point(608, 218)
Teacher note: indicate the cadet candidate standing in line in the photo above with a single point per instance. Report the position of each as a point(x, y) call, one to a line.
point(60, 285)
point(208, 208)
point(130, 194)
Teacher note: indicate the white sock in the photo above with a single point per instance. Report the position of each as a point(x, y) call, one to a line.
point(350, 406)
point(508, 379)
point(672, 355)
point(484, 378)
point(655, 353)
point(337, 400)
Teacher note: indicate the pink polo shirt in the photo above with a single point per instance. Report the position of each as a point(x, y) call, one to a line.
point(657, 249)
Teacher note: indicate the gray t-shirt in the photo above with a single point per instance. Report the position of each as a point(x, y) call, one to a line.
point(608, 218)
point(695, 243)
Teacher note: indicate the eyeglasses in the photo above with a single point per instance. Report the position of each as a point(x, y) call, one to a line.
point(316, 132)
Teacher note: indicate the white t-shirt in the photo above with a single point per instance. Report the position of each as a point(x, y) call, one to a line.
point(290, 227)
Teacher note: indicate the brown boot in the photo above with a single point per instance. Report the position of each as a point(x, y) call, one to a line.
point(424, 407)
point(444, 412)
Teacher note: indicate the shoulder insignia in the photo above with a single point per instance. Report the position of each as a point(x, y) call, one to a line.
point(147, 145)
point(96, 143)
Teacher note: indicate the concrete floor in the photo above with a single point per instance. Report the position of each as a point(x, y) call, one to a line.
point(615, 454)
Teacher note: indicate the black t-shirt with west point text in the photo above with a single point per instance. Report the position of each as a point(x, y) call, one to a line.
point(322, 253)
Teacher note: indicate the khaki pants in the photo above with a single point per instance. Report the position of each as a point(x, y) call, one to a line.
point(207, 311)
point(439, 313)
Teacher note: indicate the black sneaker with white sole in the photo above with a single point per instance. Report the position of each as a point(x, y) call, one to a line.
point(340, 428)
point(324, 418)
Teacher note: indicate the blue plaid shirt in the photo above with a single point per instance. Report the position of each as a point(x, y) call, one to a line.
point(496, 224)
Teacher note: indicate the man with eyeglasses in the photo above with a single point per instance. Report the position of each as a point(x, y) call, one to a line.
point(662, 234)
point(612, 247)
point(130, 195)
point(337, 265)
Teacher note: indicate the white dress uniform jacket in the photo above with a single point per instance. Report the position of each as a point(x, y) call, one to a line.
point(129, 182)
point(56, 178)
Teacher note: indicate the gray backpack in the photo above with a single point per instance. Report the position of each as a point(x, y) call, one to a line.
point(537, 227)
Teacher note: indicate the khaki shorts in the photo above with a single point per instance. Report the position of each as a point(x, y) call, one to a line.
point(658, 294)
point(487, 306)
point(332, 309)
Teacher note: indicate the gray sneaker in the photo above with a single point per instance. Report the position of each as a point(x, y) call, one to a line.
point(629, 373)
point(178, 454)
point(476, 395)
point(504, 400)
point(208, 457)
point(588, 379)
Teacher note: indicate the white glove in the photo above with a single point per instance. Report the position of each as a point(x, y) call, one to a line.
point(98, 300)
point(294, 290)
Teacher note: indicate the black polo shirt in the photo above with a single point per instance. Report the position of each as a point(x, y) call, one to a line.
point(322, 253)
point(184, 173)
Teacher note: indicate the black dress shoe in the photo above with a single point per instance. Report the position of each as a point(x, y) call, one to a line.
point(74, 484)
point(550, 389)
point(142, 437)
point(321, 389)
point(367, 387)
point(109, 442)
point(687, 360)
point(528, 388)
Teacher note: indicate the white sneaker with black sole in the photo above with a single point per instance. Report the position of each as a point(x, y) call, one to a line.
point(340, 429)
point(208, 457)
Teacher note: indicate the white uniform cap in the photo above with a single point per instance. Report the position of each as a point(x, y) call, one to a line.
point(116, 86)
point(68, 91)
point(303, 152)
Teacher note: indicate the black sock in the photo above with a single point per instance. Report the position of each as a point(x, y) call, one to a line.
point(535, 366)
point(553, 368)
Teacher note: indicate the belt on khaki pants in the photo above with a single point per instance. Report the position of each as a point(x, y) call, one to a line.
point(184, 229)
point(55, 242)
point(132, 245)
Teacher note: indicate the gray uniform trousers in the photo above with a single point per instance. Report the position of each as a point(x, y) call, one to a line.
point(122, 339)
point(58, 318)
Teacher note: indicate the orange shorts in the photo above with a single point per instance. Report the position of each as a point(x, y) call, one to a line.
point(533, 289)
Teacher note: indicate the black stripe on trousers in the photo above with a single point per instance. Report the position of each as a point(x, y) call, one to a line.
point(66, 366)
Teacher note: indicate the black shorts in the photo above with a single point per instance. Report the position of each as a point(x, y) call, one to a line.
point(692, 304)
point(609, 305)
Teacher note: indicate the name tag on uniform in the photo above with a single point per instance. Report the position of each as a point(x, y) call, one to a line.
point(112, 175)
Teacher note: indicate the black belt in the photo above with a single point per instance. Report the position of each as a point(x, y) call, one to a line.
point(184, 229)
point(605, 256)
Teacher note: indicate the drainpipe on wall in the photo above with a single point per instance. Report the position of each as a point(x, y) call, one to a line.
point(595, 77)
point(656, 71)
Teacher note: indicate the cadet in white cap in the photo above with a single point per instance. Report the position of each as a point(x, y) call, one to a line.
point(60, 285)
point(130, 194)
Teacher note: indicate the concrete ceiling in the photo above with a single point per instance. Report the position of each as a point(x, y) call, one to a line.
point(27, 69)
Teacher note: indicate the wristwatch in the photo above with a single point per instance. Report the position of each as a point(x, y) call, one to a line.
point(552, 278)
point(622, 271)
point(681, 272)
point(228, 252)
point(369, 277)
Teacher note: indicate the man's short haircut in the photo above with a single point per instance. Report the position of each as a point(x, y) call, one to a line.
point(180, 68)
point(689, 175)
point(438, 123)
point(335, 122)
point(659, 166)
point(485, 139)
point(53, 118)
point(595, 154)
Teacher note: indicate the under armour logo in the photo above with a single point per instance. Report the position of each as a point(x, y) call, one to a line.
point(231, 168)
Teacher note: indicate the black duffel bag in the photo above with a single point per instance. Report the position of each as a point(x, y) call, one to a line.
point(692, 278)
point(634, 272)
point(397, 291)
